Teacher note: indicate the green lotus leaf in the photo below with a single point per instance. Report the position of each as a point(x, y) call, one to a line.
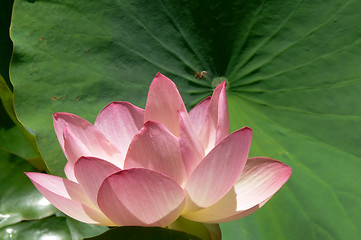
point(6, 46)
point(145, 233)
point(54, 227)
point(293, 72)
point(18, 197)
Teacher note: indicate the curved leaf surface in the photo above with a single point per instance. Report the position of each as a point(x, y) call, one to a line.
point(48, 228)
point(18, 197)
point(145, 233)
point(293, 74)
point(15, 137)
point(54, 227)
point(6, 46)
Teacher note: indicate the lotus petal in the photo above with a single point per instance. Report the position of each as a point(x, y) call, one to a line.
point(199, 113)
point(89, 141)
point(260, 180)
point(219, 170)
point(190, 144)
point(68, 197)
point(119, 122)
point(163, 103)
point(216, 124)
point(155, 148)
point(141, 197)
point(91, 172)
point(69, 172)
point(62, 120)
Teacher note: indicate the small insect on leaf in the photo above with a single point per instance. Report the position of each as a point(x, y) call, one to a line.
point(200, 75)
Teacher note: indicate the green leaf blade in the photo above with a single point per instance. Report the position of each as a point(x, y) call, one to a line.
point(294, 77)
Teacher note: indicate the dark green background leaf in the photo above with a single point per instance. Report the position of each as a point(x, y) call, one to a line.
point(144, 233)
point(48, 228)
point(54, 227)
point(14, 137)
point(294, 76)
point(6, 46)
point(79, 230)
point(19, 200)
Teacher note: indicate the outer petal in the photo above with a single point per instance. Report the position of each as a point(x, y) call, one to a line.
point(64, 120)
point(199, 114)
point(141, 197)
point(219, 170)
point(155, 148)
point(119, 122)
point(260, 179)
point(91, 172)
point(191, 146)
point(60, 122)
point(163, 103)
point(68, 197)
point(216, 125)
point(69, 172)
point(88, 141)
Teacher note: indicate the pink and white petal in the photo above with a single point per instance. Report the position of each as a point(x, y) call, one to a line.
point(217, 215)
point(60, 186)
point(190, 145)
point(62, 120)
point(163, 103)
point(89, 142)
point(119, 122)
point(216, 125)
point(141, 197)
point(241, 214)
point(208, 135)
point(68, 197)
point(219, 170)
point(156, 148)
point(202, 230)
point(69, 172)
point(219, 103)
point(199, 113)
point(260, 180)
point(91, 172)
point(224, 209)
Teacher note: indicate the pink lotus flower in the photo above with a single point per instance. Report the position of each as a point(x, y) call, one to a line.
point(137, 167)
